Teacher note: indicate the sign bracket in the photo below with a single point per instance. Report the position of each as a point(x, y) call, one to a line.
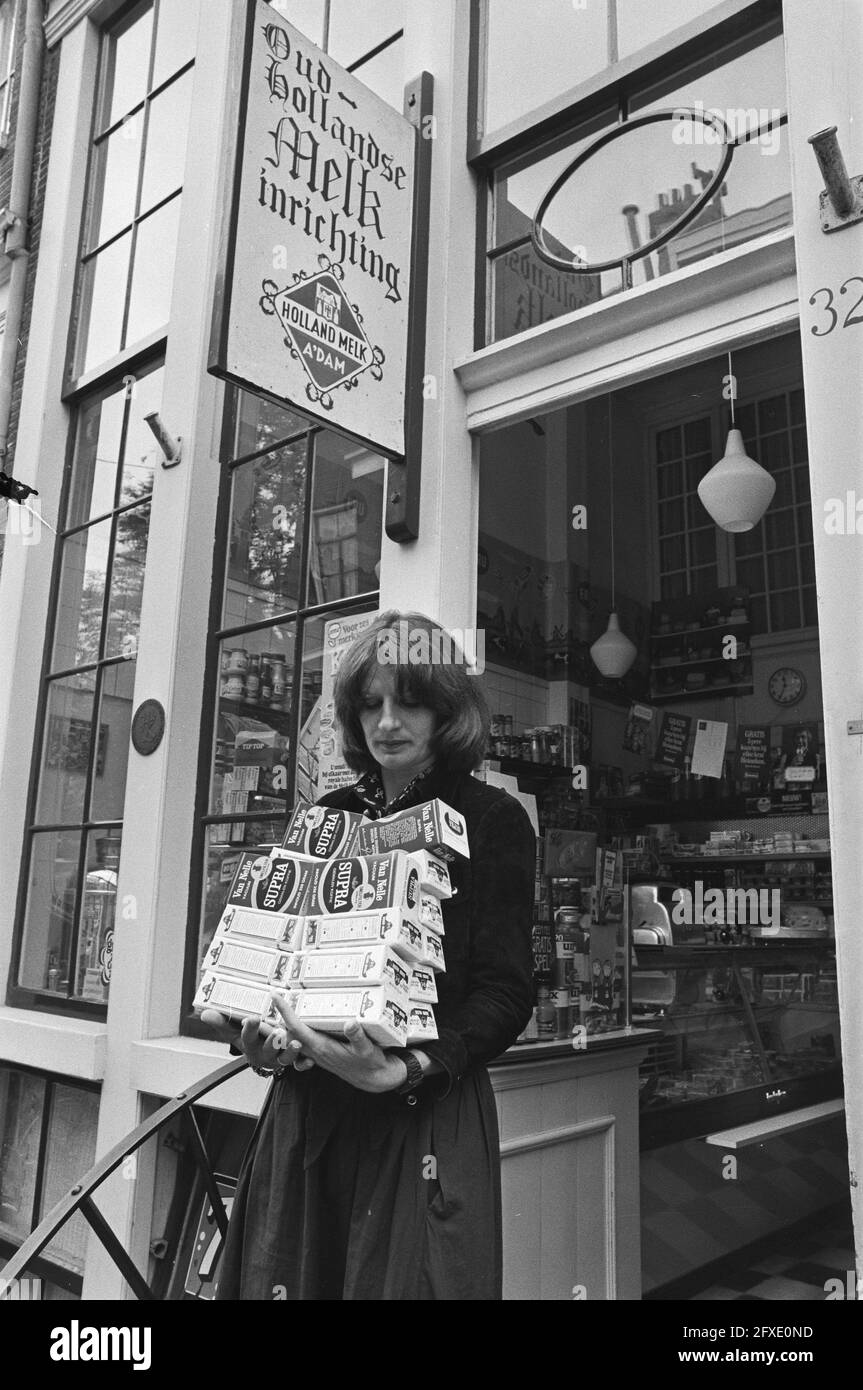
point(404, 474)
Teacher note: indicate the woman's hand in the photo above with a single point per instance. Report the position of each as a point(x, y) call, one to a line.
point(263, 1046)
point(355, 1058)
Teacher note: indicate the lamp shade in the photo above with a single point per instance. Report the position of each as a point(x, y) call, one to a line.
point(737, 491)
point(613, 653)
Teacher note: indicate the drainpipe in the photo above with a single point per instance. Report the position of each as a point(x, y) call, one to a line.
point(15, 218)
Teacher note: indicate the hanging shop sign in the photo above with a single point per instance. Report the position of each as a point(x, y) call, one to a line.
point(316, 290)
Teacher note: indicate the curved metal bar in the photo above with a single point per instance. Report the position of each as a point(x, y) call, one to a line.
point(80, 1195)
point(677, 113)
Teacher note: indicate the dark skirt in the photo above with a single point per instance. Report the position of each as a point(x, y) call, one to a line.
point(346, 1195)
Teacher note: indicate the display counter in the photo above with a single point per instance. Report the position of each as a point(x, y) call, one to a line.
point(569, 1167)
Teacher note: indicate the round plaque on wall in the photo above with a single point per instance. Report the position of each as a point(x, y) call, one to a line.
point(148, 726)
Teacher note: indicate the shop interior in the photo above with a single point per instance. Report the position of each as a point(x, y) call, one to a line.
point(699, 770)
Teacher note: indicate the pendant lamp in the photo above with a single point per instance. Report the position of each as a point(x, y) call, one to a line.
point(737, 491)
point(613, 653)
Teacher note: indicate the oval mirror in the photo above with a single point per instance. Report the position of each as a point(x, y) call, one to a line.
point(632, 190)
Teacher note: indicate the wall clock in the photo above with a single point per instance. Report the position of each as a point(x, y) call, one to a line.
point(786, 686)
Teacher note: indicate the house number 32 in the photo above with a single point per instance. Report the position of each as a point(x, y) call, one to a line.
point(827, 306)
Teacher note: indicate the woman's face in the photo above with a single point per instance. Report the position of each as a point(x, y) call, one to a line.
point(398, 731)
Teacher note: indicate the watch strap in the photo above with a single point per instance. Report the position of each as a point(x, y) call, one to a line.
point(415, 1075)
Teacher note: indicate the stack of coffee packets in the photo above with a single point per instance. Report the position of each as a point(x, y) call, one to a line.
point(342, 931)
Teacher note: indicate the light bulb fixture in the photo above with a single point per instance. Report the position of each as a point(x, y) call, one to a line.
point(737, 491)
point(612, 653)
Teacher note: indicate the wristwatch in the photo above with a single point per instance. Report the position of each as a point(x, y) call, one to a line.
point(415, 1075)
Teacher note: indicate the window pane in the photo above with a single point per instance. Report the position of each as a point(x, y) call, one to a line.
point(526, 292)
point(672, 554)
point(141, 450)
point(755, 197)
point(702, 546)
point(267, 513)
point(50, 914)
point(773, 452)
point(127, 64)
point(565, 43)
point(782, 569)
point(112, 744)
point(97, 451)
point(260, 424)
point(175, 36)
point(253, 725)
point(520, 185)
point(385, 74)
point(783, 496)
point(672, 516)
point(799, 445)
point(670, 479)
point(356, 29)
point(103, 298)
point(96, 925)
point(70, 1151)
point(801, 488)
point(127, 582)
point(115, 180)
point(758, 609)
point(810, 607)
point(807, 564)
point(784, 611)
point(772, 414)
point(305, 15)
point(81, 596)
point(639, 25)
point(779, 528)
point(21, 1100)
point(153, 272)
point(750, 573)
point(66, 750)
point(347, 510)
point(166, 142)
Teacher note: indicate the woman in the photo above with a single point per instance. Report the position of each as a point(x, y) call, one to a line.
point(375, 1173)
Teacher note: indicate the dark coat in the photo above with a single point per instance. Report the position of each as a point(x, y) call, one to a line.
point(347, 1195)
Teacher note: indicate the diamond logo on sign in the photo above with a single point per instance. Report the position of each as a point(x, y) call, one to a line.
point(324, 331)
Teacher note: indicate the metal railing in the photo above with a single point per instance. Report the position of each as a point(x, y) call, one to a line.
point(80, 1197)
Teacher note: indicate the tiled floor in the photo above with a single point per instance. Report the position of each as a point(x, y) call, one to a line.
point(796, 1267)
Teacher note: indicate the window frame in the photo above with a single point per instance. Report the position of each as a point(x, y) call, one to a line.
point(7, 82)
point(76, 383)
point(759, 387)
point(296, 619)
point(43, 1267)
point(18, 995)
point(737, 25)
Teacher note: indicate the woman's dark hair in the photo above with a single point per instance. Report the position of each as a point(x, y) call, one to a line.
point(429, 667)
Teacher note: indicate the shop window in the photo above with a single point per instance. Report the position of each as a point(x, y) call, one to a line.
point(75, 830)
point(8, 42)
point(135, 181)
point(304, 527)
point(47, 1141)
point(653, 186)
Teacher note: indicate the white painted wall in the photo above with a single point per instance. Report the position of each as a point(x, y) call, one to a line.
point(824, 63)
